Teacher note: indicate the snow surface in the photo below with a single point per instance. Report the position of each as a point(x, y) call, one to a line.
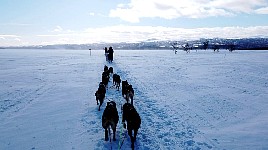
point(200, 100)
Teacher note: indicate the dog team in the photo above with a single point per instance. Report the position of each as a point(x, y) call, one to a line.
point(110, 115)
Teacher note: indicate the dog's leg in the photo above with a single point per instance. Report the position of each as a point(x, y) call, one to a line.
point(101, 101)
point(123, 91)
point(124, 119)
point(117, 86)
point(114, 130)
point(100, 104)
point(97, 101)
point(129, 131)
point(132, 145)
point(127, 97)
point(132, 139)
point(124, 125)
point(106, 134)
point(131, 97)
point(135, 134)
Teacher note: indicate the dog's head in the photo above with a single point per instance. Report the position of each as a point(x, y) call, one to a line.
point(111, 104)
point(128, 107)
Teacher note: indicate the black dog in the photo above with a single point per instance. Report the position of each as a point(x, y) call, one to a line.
point(110, 55)
point(100, 94)
point(111, 70)
point(116, 81)
point(105, 68)
point(110, 118)
point(105, 78)
point(124, 88)
point(129, 93)
point(133, 121)
point(99, 97)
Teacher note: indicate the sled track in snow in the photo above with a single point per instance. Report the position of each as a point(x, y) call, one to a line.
point(93, 124)
point(159, 126)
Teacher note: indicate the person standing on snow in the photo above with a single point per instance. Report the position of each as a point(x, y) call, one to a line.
point(110, 54)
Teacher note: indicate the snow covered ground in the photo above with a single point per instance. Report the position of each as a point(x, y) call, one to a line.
point(200, 100)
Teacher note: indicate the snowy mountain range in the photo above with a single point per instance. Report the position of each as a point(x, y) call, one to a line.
point(240, 44)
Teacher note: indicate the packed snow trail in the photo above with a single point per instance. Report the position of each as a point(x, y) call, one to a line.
point(159, 129)
point(112, 94)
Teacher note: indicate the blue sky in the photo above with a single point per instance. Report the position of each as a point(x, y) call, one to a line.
point(35, 22)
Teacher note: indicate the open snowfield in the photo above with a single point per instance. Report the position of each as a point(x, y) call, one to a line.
point(200, 100)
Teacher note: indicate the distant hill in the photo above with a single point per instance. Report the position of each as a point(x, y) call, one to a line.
point(218, 43)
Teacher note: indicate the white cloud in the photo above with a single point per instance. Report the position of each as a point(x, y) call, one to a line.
point(14, 24)
point(123, 33)
point(125, 14)
point(17, 39)
point(92, 14)
point(263, 10)
point(238, 6)
point(58, 29)
point(9, 36)
point(171, 9)
point(10, 40)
